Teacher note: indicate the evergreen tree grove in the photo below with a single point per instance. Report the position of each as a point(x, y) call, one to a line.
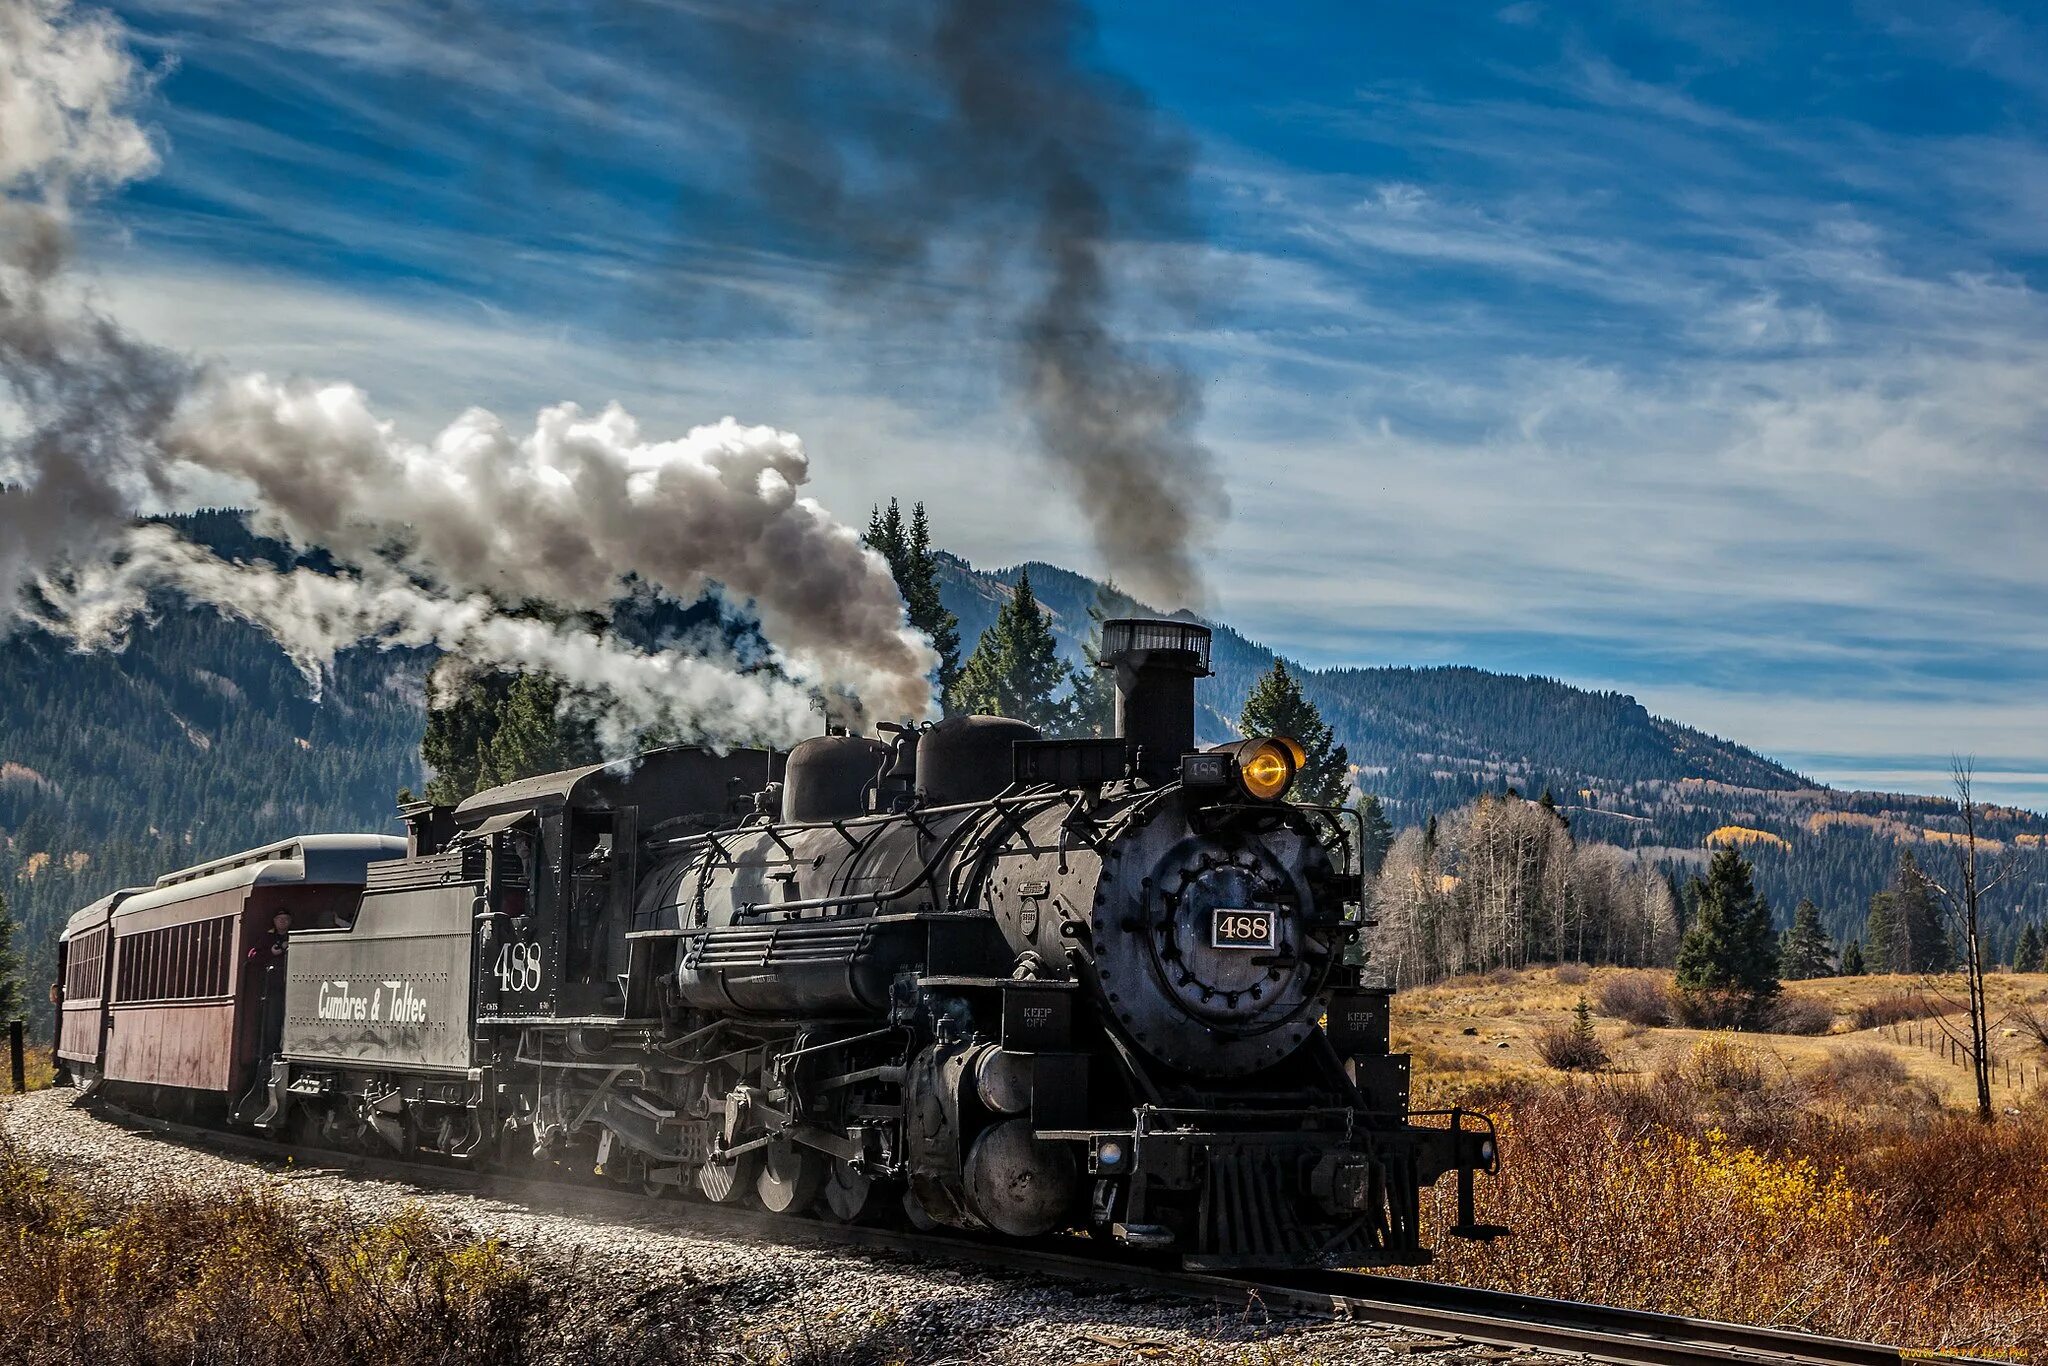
point(498, 727)
point(1728, 957)
point(1276, 707)
point(1805, 951)
point(13, 997)
point(1881, 934)
point(1015, 669)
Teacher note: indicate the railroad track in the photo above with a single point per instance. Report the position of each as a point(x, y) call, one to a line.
point(1450, 1314)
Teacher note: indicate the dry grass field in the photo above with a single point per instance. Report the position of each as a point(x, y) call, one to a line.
point(1487, 1026)
point(1839, 1182)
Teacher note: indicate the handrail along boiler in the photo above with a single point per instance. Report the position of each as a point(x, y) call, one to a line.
point(955, 973)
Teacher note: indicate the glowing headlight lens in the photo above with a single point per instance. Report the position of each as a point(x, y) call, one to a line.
point(1109, 1153)
point(1266, 771)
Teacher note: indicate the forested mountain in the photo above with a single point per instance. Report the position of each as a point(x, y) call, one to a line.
point(1429, 741)
point(200, 738)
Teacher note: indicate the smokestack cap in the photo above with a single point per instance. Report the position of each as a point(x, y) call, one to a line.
point(1140, 642)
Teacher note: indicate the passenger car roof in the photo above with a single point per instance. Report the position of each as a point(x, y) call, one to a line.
point(96, 915)
point(317, 859)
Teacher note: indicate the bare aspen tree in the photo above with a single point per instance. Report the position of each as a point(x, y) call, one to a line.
point(1963, 900)
point(1504, 883)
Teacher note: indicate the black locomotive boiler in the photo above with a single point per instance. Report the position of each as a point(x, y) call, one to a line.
point(956, 974)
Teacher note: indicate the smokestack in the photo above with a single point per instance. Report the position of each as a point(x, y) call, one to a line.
point(1156, 663)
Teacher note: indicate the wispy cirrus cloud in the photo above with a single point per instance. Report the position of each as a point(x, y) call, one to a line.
point(1694, 351)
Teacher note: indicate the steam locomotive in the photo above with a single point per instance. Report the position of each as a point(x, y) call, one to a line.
point(955, 974)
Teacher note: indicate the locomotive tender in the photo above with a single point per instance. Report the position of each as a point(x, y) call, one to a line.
point(956, 974)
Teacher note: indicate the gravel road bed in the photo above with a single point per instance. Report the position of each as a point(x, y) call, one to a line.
point(646, 1269)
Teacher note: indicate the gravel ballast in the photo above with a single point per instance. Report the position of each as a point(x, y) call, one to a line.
point(641, 1265)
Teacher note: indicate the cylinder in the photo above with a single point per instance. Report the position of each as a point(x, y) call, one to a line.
point(1156, 663)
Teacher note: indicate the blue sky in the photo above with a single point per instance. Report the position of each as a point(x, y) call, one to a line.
point(1693, 350)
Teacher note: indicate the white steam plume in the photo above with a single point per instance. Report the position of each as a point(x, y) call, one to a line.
point(565, 513)
point(95, 424)
point(314, 616)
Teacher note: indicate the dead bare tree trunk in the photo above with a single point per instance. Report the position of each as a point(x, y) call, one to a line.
point(1980, 1031)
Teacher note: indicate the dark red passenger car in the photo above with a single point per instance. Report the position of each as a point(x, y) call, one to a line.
point(169, 987)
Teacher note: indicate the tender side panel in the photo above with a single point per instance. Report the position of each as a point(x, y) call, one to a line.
point(391, 990)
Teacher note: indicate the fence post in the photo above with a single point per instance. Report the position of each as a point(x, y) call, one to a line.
point(17, 1067)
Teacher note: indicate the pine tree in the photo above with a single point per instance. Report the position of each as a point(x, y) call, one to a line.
point(1582, 1025)
point(1379, 833)
point(1905, 930)
point(1852, 959)
point(1728, 957)
point(461, 726)
point(13, 997)
point(1276, 707)
point(1015, 670)
point(1804, 951)
point(1919, 911)
point(2027, 957)
point(927, 610)
point(1094, 701)
point(886, 538)
point(914, 566)
point(534, 735)
point(1881, 933)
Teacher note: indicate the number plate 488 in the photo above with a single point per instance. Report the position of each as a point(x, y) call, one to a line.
point(1236, 927)
point(518, 966)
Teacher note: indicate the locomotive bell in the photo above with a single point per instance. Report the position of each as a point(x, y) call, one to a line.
point(1156, 664)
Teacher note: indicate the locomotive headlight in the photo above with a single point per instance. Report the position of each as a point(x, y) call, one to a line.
point(1265, 771)
point(1260, 769)
point(1109, 1155)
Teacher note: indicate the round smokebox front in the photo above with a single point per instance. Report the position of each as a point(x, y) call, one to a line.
point(1202, 950)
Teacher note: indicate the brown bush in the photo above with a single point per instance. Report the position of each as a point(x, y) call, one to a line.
point(1641, 998)
point(1574, 974)
point(1570, 1050)
point(1890, 1010)
point(1719, 1009)
point(1865, 1069)
point(1721, 1066)
point(245, 1280)
point(1873, 1082)
point(1792, 1013)
point(1634, 1192)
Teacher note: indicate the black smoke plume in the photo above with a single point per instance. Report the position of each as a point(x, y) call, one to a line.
point(967, 156)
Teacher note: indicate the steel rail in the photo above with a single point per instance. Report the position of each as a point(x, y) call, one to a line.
point(1603, 1333)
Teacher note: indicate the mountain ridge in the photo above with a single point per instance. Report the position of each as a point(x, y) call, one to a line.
point(200, 738)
